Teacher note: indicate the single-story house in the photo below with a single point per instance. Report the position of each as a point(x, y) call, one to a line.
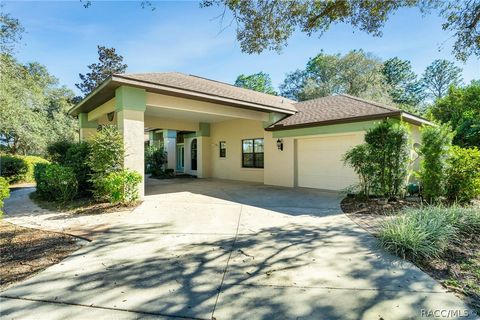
point(214, 129)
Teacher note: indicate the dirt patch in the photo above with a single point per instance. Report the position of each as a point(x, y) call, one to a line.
point(459, 270)
point(26, 251)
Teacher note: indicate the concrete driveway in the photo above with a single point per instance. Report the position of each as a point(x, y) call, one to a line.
point(211, 249)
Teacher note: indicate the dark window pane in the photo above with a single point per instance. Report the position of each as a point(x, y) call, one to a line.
point(258, 145)
point(247, 146)
point(223, 150)
point(258, 160)
point(248, 160)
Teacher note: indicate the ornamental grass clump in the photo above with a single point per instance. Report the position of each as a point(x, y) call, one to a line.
point(427, 232)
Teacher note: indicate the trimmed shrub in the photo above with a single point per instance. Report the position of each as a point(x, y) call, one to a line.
point(13, 168)
point(463, 174)
point(155, 160)
point(390, 152)
point(360, 159)
point(436, 143)
point(55, 182)
point(418, 233)
point(121, 186)
point(107, 151)
point(57, 151)
point(76, 158)
point(4, 192)
point(106, 156)
point(382, 162)
point(32, 161)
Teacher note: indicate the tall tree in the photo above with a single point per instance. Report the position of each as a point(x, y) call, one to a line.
point(439, 76)
point(405, 87)
point(356, 73)
point(109, 63)
point(461, 109)
point(10, 32)
point(267, 25)
point(33, 109)
point(260, 82)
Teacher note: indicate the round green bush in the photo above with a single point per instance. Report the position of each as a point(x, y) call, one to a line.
point(13, 168)
point(121, 186)
point(56, 182)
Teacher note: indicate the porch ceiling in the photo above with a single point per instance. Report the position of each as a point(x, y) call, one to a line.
point(184, 115)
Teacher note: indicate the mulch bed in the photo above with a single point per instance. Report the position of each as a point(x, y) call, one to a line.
point(26, 251)
point(352, 205)
point(458, 270)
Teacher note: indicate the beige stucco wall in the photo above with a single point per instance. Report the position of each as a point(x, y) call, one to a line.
point(279, 164)
point(233, 132)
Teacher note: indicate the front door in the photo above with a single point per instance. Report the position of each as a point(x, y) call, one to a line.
point(180, 158)
point(193, 154)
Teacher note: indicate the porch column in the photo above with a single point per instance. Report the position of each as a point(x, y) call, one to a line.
point(87, 128)
point(203, 150)
point(170, 146)
point(130, 105)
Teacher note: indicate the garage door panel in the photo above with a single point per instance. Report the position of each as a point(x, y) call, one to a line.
point(320, 165)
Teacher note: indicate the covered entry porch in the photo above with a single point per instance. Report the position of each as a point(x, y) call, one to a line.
point(190, 131)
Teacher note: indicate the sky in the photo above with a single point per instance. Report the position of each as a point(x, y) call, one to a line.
point(181, 36)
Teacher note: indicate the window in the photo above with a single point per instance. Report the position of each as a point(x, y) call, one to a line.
point(223, 149)
point(193, 154)
point(252, 153)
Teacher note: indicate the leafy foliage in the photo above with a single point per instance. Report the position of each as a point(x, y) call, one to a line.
point(260, 82)
point(109, 63)
point(463, 174)
point(106, 156)
point(121, 186)
point(155, 160)
point(360, 159)
point(390, 151)
point(267, 25)
point(461, 109)
point(4, 192)
point(436, 143)
point(382, 162)
point(31, 162)
point(30, 91)
point(10, 31)
point(12, 168)
point(439, 76)
point(57, 151)
point(55, 182)
point(356, 73)
point(404, 87)
point(77, 158)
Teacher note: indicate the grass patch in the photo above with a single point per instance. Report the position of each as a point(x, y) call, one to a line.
point(444, 242)
point(425, 233)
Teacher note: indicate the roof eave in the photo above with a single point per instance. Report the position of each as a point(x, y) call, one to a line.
point(157, 88)
point(336, 121)
point(74, 110)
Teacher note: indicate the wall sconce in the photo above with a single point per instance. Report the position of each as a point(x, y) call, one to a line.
point(110, 116)
point(280, 144)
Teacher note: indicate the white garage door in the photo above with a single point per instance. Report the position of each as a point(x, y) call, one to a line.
point(320, 165)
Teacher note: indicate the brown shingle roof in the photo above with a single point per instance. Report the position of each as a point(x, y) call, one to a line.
point(211, 87)
point(332, 109)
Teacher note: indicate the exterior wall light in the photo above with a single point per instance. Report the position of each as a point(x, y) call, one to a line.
point(110, 116)
point(280, 144)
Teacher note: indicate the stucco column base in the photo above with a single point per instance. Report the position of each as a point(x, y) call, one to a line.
point(131, 125)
